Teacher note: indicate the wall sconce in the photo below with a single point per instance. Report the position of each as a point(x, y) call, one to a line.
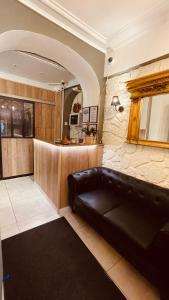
point(116, 104)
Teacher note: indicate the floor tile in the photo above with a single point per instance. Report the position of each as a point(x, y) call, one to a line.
point(30, 205)
point(24, 213)
point(36, 222)
point(102, 251)
point(75, 221)
point(7, 216)
point(9, 230)
point(133, 285)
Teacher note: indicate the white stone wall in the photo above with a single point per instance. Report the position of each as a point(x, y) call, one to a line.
point(146, 163)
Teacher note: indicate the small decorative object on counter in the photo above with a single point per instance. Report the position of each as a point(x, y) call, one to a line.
point(90, 134)
point(81, 142)
point(89, 139)
point(58, 141)
point(66, 141)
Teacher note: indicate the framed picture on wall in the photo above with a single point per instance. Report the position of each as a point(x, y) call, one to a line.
point(86, 114)
point(93, 114)
point(90, 126)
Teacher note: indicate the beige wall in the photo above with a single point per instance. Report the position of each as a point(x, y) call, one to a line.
point(16, 16)
point(147, 163)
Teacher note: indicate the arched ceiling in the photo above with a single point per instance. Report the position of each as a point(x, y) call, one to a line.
point(57, 51)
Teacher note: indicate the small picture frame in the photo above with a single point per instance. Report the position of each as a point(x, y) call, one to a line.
point(86, 114)
point(93, 114)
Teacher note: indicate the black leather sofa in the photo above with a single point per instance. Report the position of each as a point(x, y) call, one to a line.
point(131, 214)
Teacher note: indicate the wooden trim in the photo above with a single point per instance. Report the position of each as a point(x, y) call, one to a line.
point(134, 119)
point(24, 90)
point(147, 86)
point(28, 174)
point(58, 119)
point(26, 98)
point(150, 85)
point(148, 143)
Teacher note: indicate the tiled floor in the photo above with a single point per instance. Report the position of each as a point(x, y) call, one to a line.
point(24, 206)
point(129, 281)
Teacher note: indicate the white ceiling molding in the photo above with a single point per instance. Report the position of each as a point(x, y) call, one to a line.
point(59, 15)
point(153, 18)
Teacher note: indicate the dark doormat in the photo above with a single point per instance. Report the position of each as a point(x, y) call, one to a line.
point(50, 262)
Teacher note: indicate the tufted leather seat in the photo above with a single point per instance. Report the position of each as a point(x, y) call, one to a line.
point(137, 223)
point(100, 200)
point(131, 214)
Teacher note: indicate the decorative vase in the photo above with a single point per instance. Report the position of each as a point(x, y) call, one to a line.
point(88, 140)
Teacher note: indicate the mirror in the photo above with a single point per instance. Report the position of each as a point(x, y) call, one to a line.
point(149, 111)
point(154, 118)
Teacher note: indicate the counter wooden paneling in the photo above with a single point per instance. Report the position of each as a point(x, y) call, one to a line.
point(17, 156)
point(53, 164)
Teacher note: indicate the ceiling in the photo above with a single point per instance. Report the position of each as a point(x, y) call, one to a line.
point(108, 16)
point(32, 67)
point(103, 23)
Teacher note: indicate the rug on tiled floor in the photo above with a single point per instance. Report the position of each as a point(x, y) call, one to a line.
point(51, 262)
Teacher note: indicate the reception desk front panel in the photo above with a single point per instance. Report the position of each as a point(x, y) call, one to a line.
point(53, 164)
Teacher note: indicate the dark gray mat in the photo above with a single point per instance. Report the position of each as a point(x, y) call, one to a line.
point(50, 262)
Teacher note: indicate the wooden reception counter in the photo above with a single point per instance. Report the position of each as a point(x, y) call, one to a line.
point(53, 163)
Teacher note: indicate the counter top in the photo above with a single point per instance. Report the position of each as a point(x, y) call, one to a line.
point(70, 145)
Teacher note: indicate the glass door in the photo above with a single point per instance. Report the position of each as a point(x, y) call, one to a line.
point(16, 121)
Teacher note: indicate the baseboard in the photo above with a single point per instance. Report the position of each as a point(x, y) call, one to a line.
point(64, 210)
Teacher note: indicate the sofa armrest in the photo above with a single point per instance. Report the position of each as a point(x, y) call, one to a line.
point(160, 245)
point(159, 250)
point(161, 258)
point(165, 230)
point(81, 182)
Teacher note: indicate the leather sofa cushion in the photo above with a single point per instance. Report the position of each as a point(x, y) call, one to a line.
point(135, 222)
point(101, 201)
point(153, 197)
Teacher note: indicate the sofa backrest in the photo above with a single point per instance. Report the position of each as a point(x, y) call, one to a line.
point(151, 196)
point(87, 180)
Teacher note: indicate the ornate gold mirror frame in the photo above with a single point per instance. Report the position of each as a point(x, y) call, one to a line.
point(146, 86)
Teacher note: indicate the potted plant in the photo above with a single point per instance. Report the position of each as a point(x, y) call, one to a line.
point(90, 134)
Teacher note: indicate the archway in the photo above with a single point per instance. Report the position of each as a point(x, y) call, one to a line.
point(55, 50)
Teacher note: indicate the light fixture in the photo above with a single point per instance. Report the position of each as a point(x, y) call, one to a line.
point(116, 104)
